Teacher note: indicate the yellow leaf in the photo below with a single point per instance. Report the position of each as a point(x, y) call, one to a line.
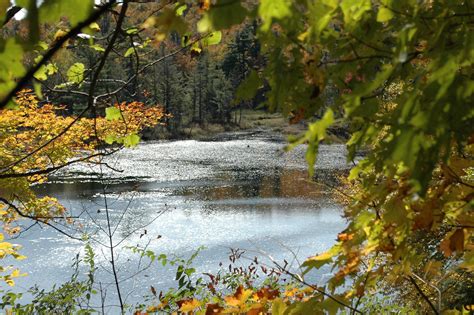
point(5, 246)
point(94, 26)
point(384, 15)
point(189, 305)
point(59, 34)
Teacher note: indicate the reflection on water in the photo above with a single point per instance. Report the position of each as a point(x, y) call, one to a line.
point(177, 196)
point(277, 182)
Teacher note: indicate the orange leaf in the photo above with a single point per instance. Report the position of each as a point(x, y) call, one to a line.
point(453, 243)
point(239, 298)
point(213, 309)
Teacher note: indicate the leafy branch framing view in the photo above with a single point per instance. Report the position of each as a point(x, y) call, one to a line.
point(396, 77)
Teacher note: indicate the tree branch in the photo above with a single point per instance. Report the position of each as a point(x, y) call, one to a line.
point(423, 295)
point(37, 219)
point(55, 168)
point(50, 53)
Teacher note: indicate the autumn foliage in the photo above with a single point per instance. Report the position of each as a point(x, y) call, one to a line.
point(37, 139)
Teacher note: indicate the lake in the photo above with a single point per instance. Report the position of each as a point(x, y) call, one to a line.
point(240, 191)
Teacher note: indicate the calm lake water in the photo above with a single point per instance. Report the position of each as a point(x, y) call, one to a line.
point(241, 191)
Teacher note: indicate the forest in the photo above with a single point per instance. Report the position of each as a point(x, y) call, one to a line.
point(351, 192)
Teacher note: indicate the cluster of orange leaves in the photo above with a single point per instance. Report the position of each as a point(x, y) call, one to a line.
point(248, 301)
point(36, 137)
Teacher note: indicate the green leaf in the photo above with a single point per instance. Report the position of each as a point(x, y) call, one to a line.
point(270, 10)
point(113, 113)
point(196, 49)
point(42, 45)
point(44, 71)
point(11, 65)
point(311, 306)
point(76, 73)
point(94, 26)
point(354, 10)
point(222, 15)
point(384, 15)
point(278, 307)
point(132, 31)
point(75, 10)
point(331, 307)
point(12, 105)
point(320, 260)
point(41, 74)
point(109, 139)
point(168, 21)
point(37, 89)
point(213, 39)
point(129, 51)
point(180, 10)
point(11, 58)
point(4, 5)
point(316, 133)
point(97, 47)
point(249, 87)
point(322, 14)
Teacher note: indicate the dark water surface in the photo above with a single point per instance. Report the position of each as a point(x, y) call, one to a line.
point(244, 192)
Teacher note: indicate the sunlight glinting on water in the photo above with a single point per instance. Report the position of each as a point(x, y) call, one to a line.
point(177, 196)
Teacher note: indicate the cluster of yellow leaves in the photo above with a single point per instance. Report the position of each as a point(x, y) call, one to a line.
point(36, 139)
point(9, 249)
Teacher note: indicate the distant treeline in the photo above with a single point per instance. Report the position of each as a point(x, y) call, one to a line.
point(196, 86)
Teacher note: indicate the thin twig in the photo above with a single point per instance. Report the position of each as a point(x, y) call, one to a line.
point(423, 295)
point(39, 220)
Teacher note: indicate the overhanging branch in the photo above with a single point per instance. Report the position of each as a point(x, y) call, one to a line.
point(51, 52)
